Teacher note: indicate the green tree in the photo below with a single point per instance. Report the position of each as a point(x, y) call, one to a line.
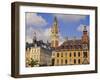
point(33, 62)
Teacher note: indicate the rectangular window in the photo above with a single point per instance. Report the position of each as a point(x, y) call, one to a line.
point(74, 54)
point(79, 61)
point(79, 54)
point(70, 54)
point(61, 54)
point(57, 54)
point(74, 61)
point(66, 61)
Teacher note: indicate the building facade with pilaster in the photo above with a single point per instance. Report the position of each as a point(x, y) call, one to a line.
point(70, 52)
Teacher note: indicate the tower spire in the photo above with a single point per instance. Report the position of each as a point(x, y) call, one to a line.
point(55, 25)
point(55, 19)
point(54, 34)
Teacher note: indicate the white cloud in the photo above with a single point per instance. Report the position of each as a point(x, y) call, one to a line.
point(70, 17)
point(35, 24)
point(35, 19)
point(47, 33)
point(44, 34)
point(81, 27)
point(41, 34)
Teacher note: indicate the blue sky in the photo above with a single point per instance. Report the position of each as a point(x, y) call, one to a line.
point(70, 25)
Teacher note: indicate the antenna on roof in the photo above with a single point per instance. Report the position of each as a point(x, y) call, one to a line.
point(34, 37)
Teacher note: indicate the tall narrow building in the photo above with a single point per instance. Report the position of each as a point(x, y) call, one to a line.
point(85, 46)
point(54, 34)
point(85, 37)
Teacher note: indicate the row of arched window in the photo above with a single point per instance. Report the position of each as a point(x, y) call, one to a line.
point(70, 54)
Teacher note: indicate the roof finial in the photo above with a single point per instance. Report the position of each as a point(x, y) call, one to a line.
point(55, 19)
point(85, 29)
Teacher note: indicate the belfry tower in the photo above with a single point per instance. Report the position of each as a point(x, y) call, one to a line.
point(85, 37)
point(54, 34)
point(85, 46)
